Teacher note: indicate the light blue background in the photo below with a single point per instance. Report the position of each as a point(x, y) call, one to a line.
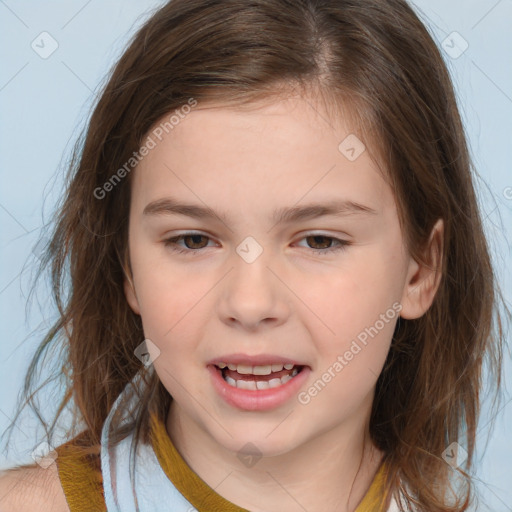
point(44, 102)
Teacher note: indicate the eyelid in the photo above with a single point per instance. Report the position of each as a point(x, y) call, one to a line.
point(183, 232)
point(304, 234)
point(181, 235)
point(341, 243)
point(320, 232)
point(170, 241)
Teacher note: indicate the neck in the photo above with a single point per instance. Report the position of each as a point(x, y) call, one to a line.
point(331, 471)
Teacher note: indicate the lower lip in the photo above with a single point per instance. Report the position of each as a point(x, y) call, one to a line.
point(257, 400)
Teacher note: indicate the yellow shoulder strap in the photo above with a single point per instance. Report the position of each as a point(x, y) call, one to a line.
point(80, 476)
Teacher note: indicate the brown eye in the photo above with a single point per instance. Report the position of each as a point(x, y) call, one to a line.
point(320, 241)
point(323, 244)
point(193, 242)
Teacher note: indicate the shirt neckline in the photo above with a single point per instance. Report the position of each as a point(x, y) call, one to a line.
point(199, 494)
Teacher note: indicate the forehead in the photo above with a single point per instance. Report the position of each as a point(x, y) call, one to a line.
point(286, 150)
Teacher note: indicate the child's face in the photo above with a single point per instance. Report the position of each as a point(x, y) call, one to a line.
point(222, 300)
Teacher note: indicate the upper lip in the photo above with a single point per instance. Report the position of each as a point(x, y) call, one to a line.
point(256, 360)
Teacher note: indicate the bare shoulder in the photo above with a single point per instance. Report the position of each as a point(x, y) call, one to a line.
point(32, 488)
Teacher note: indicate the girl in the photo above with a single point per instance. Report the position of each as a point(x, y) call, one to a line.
point(281, 294)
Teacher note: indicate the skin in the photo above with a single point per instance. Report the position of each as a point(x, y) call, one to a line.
point(291, 301)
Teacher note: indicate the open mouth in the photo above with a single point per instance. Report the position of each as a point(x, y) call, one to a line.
point(258, 377)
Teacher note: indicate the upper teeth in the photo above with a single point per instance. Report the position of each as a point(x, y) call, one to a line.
point(256, 370)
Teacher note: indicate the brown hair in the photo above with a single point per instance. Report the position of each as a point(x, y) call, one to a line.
point(374, 56)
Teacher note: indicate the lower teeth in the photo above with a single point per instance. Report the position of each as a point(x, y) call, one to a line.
point(260, 384)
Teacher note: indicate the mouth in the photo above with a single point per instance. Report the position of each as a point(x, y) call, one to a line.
point(259, 377)
point(257, 383)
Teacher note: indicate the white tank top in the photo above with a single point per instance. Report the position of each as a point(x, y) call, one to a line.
point(150, 490)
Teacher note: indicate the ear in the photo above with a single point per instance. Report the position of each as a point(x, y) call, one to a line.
point(129, 289)
point(423, 278)
point(131, 297)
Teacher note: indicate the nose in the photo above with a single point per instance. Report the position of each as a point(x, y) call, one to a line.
point(253, 294)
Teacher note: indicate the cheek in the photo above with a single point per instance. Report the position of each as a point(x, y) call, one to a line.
point(169, 298)
point(172, 313)
point(355, 295)
point(350, 362)
point(360, 305)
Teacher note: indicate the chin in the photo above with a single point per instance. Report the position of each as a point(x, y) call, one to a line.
point(259, 444)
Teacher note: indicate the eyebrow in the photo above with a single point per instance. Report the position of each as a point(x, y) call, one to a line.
point(337, 208)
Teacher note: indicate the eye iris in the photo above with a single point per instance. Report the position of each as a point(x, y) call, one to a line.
point(316, 237)
point(194, 237)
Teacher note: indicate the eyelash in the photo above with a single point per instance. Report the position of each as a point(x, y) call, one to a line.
point(171, 243)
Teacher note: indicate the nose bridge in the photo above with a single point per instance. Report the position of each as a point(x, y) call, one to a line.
point(250, 250)
point(251, 275)
point(252, 292)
